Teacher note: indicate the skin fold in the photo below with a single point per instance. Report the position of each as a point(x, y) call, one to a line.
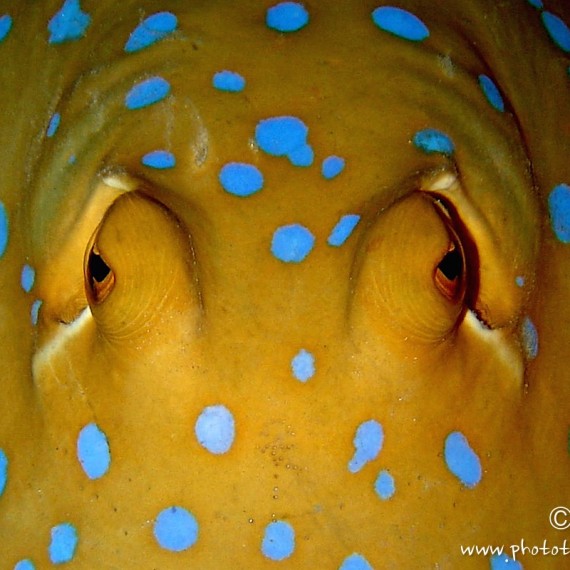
point(162, 294)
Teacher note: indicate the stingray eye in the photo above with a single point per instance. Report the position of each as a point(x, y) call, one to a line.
point(100, 278)
point(449, 273)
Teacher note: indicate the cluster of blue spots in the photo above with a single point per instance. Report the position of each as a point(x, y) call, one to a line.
point(504, 562)
point(491, 91)
point(343, 229)
point(368, 442)
point(53, 124)
point(25, 565)
point(433, 141)
point(93, 451)
point(520, 281)
point(530, 338)
point(176, 529)
point(285, 136)
point(278, 540)
point(287, 17)
point(35, 311)
point(151, 30)
point(69, 24)
point(292, 243)
point(5, 26)
point(557, 29)
point(215, 429)
point(384, 485)
point(241, 179)
point(27, 278)
point(332, 166)
point(159, 159)
point(229, 81)
point(4, 229)
point(355, 562)
point(3, 471)
point(147, 93)
point(401, 23)
point(63, 543)
point(559, 208)
point(303, 365)
point(461, 460)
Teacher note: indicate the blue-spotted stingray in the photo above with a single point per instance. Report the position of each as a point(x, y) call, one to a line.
point(284, 284)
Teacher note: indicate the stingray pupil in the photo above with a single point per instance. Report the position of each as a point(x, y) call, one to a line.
point(98, 268)
point(451, 265)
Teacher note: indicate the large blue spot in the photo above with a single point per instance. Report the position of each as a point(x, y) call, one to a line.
point(384, 485)
point(159, 159)
point(176, 529)
point(557, 29)
point(25, 565)
point(559, 208)
point(53, 124)
point(5, 26)
point(285, 136)
point(343, 229)
point(35, 311)
point(278, 541)
point(461, 460)
point(3, 471)
point(4, 229)
point(368, 442)
point(69, 24)
point(147, 93)
point(303, 365)
point(27, 278)
point(491, 92)
point(241, 179)
point(151, 30)
point(93, 451)
point(332, 166)
point(287, 17)
point(355, 562)
point(292, 243)
point(215, 429)
point(433, 141)
point(228, 81)
point(63, 543)
point(504, 562)
point(530, 338)
point(401, 23)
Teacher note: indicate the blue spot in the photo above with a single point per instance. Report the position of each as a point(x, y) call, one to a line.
point(4, 229)
point(367, 444)
point(558, 206)
point(25, 565)
point(228, 81)
point(530, 338)
point(343, 229)
point(461, 460)
point(303, 365)
point(159, 159)
point(536, 4)
point(63, 543)
point(3, 471)
point(503, 562)
point(520, 281)
point(27, 278)
point(176, 529)
point(287, 17)
point(278, 541)
point(241, 179)
point(5, 26)
point(401, 23)
point(151, 30)
point(53, 124)
point(69, 24)
point(332, 166)
point(557, 29)
point(93, 451)
point(35, 311)
point(284, 136)
point(302, 156)
point(147, 93)
point(432, 141)
point(72, 159)
point(491, 91)
point(215, 429)
point(292, 243)
point(384, 485)
point(355, 562)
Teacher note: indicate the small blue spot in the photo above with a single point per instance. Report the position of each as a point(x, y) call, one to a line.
point(384, 485)
point(4, 229)
point(433, 141)
point(302, 156)
point(53, 124)
point(278, 541)
point(558, 206)
point(176, 529)
point(25, 565)
point(159, 159)
point(536, 4)
point(332, 166)
point(93, 451)
point(343, 229)
point(69, 24)
point(64, 541)
point(151, 30)
point(557, 29)
point(215, 429)
point(72, 159)
point(35, 311)
point(401, 23)
point(147, 93)
point(3, 471)
point(303, 365)
point(368, 442)
point(355, 562)
point(503, 562)
point(530, 338)
point(520, 281)
point(228, 81)
point(491, 92)
point(5, 26)
point(27, 278)
point(292, 243)
point(461, 460)
point(283, 136)
point(241, 179)
point(287, 17)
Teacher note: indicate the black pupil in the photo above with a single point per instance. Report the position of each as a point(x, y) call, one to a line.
point(451, 265)
point(98, 269)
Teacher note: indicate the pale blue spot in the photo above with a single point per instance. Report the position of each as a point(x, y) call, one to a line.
point(433, 141)
point(35, 311)
point(215, 429)
point(303, 365)
point(69, 24)
point(491, 92)
point(332, 166)
point(536, 4)
point(287, 17)
point(559, 208)
point(53, 124)
point(4, 229)
point(557, 29)
point(503, 562)
point(302, 156)
point(343, 229)
point(278, 541)
point(93, 451)
point(401, 23)
point(151, 30)
point(63, 543)
point(72, 159)
point(384, 485)
point(159, 159)
point(461, 460)
point(229, 81)
point(355, 562)
point(176, 529)
point(241, 179)
point(530, 338)
point(3, 471)
point(368, 442)
point(25, 565)
point(27, 278)
point(520, 281)
point(147, 93)
point(292, 243)
point(5, 26)
point(283, 136)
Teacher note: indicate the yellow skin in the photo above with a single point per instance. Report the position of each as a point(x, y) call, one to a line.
point(201, 313)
